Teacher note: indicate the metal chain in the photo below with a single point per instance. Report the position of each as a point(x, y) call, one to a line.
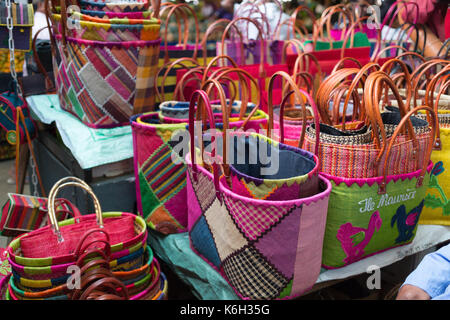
point(12, 61)
point(34, 178)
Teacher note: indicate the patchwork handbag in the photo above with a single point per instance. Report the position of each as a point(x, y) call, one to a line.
point(160, 169)
point(264, 249)
point(22, 22)
point(103, 82)
point(370, 215)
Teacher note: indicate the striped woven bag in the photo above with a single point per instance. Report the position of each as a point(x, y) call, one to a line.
point(368, 215)
point(104, 82)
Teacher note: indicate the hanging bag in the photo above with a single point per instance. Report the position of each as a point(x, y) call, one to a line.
point(103, 82)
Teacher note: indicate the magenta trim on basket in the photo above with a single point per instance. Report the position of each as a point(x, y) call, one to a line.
point(111, 44)
point(136, 170)
point(63, 267)
point(370, 181)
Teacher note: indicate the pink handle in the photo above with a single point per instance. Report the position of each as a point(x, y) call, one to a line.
point(195, 100)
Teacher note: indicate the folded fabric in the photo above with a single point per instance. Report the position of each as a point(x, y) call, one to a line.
point(90, 147)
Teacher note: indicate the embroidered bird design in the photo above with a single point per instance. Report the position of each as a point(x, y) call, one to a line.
point(406, 223)
point(349, 235)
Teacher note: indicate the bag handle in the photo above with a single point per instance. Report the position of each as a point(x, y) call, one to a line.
point(168, 67)
point(407, 121)
point(74, 211)
point(341, 63)
point(446, 44)
point(398, 11)
point(358, 105)
point(307, 79)
point(429, 98)
point(422, 70)
point(103, 286)
point(288, 21)
point(212, 27)
point(372, 94)
point(180, 7)
point(207, 74)
point(75, 182)
point(298, 66)
point(262, 73)
point(300, 94)
point(339, 79)
point(48, 83)
point(295, 42)
point(295, 13)
point(190, 75)
point(378, 55)
point(84, 244)
point(179, 14)
point(200, 98)
point(245, 97)
point(156, 5)
point(255, 6)
point(387, 68)
point(351, 32)
point(326, 20)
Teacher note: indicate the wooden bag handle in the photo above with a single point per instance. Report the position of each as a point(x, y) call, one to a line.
point(300, 94)
point(200, 99)
point(262, 72)
point(168, 67)
point(372, 93)
point(407, 121)
point(180, 7)
point(243, 76)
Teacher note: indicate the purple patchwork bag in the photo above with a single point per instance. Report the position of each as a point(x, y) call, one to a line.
point(264, 249)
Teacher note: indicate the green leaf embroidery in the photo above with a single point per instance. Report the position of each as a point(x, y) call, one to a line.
point(446, 211)
point(434, 182)
point(434, 202)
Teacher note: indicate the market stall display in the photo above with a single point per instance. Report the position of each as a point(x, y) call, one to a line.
point(296, 147)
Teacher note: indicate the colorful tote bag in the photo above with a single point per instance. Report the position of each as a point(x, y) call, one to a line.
point(23, 21)
point(355, 159)
point(23, 213)
point(102, 82)
point(369, 215)
point(264, 249)
point(160, 181)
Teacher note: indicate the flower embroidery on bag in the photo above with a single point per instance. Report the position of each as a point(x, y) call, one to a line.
point(432, 201)
point(406, 222)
